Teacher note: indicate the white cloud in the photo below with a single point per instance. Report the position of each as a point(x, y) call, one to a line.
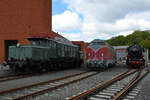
point(85, 36)
point(66, 21)
point(103, 18)
point(125, 33)
point(108, 10)
point(139, 21)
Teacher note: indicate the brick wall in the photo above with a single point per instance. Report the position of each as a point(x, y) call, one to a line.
point(18, 18)
point(83, 47)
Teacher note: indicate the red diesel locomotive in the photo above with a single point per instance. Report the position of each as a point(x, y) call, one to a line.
point(100, 55)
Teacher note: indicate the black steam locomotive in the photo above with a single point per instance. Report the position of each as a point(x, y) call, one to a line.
point(135, 57)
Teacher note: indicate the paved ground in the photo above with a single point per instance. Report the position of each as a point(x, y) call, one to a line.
point(62, 93)
point(144, 93)
point(30, 80)
point(4, 69)
point(80, 86)
point(72, 89)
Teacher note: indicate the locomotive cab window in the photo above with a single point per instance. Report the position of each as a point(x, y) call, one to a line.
point(54, 44)
point(50, 44)
point(33, 43)
point(102, 43)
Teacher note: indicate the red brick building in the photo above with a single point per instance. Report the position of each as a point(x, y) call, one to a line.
point(19, 18)
point(83, 46)
point(121, 53)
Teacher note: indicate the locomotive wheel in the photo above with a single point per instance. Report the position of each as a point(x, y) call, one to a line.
point(26, 69)
point(39, 68)
point(63, 65)
point(32, 66)
point(55, 67)
point(60, 66)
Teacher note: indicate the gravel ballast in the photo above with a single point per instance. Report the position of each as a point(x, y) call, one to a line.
point(144, 85)
point(80, 86)
point(35, 79)
point(4, 70)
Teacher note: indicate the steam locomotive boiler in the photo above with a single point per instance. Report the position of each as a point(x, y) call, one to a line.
point(100, 55)
point(135, 57)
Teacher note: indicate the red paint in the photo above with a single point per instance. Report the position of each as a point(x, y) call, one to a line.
point(83, 47)
point(42, 35)
point(97, 55)
point(135, 62)
point(19, 18)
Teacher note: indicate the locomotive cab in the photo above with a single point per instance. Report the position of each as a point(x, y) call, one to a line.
point(100, 55)
point(29, 55)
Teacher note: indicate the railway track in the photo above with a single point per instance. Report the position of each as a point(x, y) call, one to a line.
point(9, 77)
point(114, 89)
point(27, 92)
point(13, 77)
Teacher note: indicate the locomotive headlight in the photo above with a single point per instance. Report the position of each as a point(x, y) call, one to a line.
point(89, 55)
point(95, 61)
point(102, 54)
point(18, 44)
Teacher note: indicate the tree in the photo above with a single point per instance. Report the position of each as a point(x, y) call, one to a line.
point(116, 41)
point(136, 36)
point(140, 37)
point(146, 44)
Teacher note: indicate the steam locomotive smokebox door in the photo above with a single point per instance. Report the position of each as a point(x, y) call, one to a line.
point(7, 44)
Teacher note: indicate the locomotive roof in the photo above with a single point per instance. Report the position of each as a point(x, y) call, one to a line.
point(64, 41)
point(37, 38)
point(29, 46)
point(56, 39)
point(53, 36)
point(97, 40)
point(97, 43)
point(135, 45)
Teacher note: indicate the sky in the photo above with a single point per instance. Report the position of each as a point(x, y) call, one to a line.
point(85, 20)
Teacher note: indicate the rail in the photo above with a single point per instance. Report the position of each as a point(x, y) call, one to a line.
point(101, 86)
point(43, 87)
point(132, 84)
point(119, 93)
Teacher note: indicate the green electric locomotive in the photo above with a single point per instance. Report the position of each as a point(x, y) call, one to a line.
point(44, 54)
